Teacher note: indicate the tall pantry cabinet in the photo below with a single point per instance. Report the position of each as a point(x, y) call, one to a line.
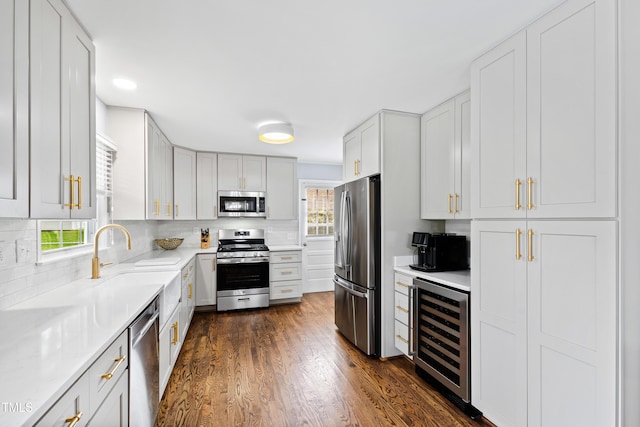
point(14, 103)
point(544, 235)
point(62, 114)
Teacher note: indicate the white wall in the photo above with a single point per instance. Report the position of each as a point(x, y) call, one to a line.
point(320, 172)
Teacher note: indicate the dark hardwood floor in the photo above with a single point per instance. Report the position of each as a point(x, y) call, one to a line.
point(289, 366)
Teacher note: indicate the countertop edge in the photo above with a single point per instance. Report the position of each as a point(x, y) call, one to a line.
point(460, 280)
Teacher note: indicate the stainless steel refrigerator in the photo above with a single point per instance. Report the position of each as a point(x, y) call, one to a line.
point(357, 262)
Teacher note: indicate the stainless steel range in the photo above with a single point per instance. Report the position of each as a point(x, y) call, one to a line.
point(242, 270)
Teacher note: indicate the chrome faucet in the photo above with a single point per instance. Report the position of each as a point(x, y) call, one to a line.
point(95, 261)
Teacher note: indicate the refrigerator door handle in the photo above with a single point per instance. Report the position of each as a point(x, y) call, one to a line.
point(346, 239)
point(351, 291)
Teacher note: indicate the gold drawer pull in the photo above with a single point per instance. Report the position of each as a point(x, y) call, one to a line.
point(402, 284)
point(118, 361)
point(285, 257)
point(286, 291)
point(530, 244)
point(404, 310)
point(79, 181)
point(529, 193)
point(175, 334)
point(455, 202)
point(518, 234)
point(168, 209)
point(74, 420)
point(284, 273)
point(404, 340)
point(518, 184)
point(449, 197)
point(190, 290)
point(157, 213)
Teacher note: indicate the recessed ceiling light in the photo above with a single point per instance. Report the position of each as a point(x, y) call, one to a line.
point(125, 84)
point(275, 133)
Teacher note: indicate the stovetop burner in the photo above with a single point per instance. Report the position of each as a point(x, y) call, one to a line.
point(242, 243)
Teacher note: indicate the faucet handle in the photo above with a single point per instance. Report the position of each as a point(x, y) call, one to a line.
point(104, 264)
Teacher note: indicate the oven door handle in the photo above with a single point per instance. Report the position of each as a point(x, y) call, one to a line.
point(243, 260)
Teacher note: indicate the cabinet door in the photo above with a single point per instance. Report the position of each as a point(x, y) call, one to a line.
point(229, 172)
point(437, 177)
point(351, 156)
point(498, 130)
point(207, 185)
point(169, 347)
point(184, 173)
point(49, 105)
point(462, 157)
point(167, 177)
point(154, 176)
point(572, 323)
point(254, 171)
point(114, 411)
point(571, 111)
point(370, 147)
point(74, 402)
point(14, 102)
point(282, 188)
point(499, 321)
point(80, 56)
point(206, 280)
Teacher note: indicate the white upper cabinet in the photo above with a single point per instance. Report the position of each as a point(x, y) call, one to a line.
point(282, 188)
point(14, 103)
point(242, 173)
point(143, 170)
point(571, 111)
point(62, 108)
point(544, 118)
point(362, 150)
point(444, 167)
point(184, 183)
point(207, 185)
point(498, 130)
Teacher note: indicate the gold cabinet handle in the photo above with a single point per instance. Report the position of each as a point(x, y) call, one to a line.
point(118, 361)
point(285, 257)
point(402, 284)
point(175, 334)
point(449, 197)
point(74, 420)
point(518, 234)
point(190, 290)
point(529, 193)
point(215, 211)
point(157, 207)
point(168, 209)
point(286, 291)
point(401, 338)
point(71, 203)
point(355, 167)
point(518, 184)
point(177, 211)
point(213, 264)
point(402, 309)
point(530, 244)
point(455, 202)
point(79, 181)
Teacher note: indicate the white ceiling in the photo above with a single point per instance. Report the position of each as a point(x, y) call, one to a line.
point(210, 71)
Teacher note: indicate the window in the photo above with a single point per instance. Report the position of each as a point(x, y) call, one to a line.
point(319, 212)
point(67, 236)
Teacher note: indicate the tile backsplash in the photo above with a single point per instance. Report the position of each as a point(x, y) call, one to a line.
point(22, 277)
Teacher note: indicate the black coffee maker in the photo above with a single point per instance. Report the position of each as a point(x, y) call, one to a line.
point(440, 252)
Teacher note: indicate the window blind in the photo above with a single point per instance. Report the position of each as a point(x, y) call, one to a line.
point(105, 151)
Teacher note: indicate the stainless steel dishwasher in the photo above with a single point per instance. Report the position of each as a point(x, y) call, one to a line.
point(144, 370)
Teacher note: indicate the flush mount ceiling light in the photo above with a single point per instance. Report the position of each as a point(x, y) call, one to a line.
point(275, 133)
point(125, 84)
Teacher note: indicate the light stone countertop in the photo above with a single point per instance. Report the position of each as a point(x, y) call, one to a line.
point(455, 279)
point(50, 340)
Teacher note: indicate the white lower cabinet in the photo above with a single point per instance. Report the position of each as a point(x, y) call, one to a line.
point(285, 275)
point(403, 314)
point(169, 348)
point(100, 396)
point(188, 299)
point(205, 280)
point(544, 322)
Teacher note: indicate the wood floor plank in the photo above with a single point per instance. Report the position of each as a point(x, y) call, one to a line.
point(289, 366)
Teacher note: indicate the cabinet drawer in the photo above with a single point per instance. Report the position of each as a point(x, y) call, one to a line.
point(287, 256)
point(73, 402)
point(402, 337)
point(402, 308)
point(402, 283)
point(288, 271)
point(114, 361)
point(187, 271)
point(288, 289)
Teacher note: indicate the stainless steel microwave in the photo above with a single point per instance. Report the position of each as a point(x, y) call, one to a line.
point(242, 204)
